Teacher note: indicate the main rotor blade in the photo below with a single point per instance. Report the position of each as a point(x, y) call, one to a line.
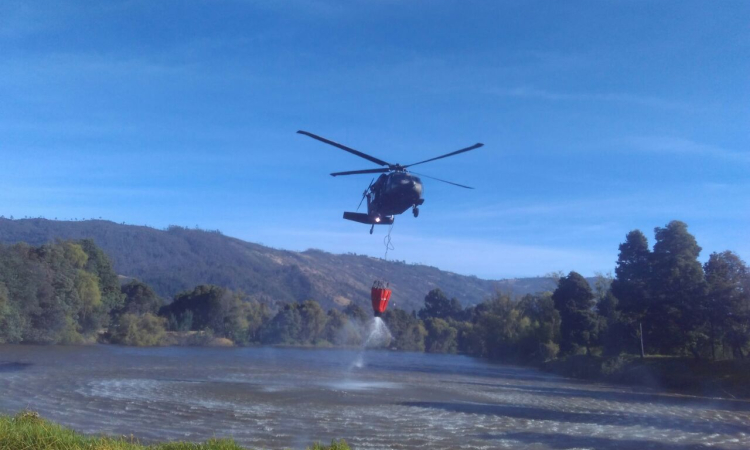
point(444, 181)
point(364, 194)
point(477, 145)
point(345, 148)
point(357, 172)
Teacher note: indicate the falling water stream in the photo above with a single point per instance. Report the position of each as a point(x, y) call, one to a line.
point(378, 334)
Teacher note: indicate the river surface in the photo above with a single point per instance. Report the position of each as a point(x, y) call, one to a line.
point(288, 398)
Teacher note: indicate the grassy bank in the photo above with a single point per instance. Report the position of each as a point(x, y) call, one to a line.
point(730, 378)
point(28, 431)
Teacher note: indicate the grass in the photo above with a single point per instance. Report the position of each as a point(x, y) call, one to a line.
point(28, 431)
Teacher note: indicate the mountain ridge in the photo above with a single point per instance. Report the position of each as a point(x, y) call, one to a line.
point(177, 259)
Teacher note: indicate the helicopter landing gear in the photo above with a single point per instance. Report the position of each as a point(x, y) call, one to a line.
point(415, 211)
point(372, 228)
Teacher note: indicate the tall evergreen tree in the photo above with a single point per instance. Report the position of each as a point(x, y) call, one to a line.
point(678, 290)
point(574, 301)
point(728, 301)
point(632, 276)
point(437, 305)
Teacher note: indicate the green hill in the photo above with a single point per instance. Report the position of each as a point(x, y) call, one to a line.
point(177, 259)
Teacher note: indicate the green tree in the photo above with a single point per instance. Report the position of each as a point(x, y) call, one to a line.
point(469, 339)
point(99, 264)
point(539, 339)
point(501, 325)
point(356, 312)
point(408, 332)
point(339, 330)
point(574, 301)
point(633, 276)
point(257, 314)
point(140, 299)
point(441, 337)
point(145, 330)
point(727, 301)
point(284, 328)
point(87, 286)
point(208, 304)
point(313, 322)
point(632, 289)
point(10, 322)
point(678, 288)
point(437, 305)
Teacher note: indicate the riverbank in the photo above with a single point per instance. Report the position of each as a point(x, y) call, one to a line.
point(27, 430)
point(728, 378)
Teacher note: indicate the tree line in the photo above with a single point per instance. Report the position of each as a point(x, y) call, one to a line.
point(661, 300)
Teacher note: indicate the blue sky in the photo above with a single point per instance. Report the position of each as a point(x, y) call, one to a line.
point(597, 118)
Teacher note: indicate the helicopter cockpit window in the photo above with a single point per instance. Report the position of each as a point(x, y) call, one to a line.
point(396, 180)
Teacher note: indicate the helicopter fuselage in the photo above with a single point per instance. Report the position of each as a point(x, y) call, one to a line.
point(394, 193)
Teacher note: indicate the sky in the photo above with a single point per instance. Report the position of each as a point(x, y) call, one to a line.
point(597, 118)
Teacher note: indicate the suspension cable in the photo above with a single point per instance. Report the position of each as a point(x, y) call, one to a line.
point(387, 242)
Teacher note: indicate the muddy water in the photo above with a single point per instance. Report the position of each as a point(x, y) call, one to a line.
point(275, 398)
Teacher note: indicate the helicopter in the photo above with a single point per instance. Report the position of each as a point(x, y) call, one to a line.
point(394, 191)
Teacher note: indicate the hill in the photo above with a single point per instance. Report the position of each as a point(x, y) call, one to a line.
point(177, 259)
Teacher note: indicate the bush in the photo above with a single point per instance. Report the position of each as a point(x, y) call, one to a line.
point(141, 331)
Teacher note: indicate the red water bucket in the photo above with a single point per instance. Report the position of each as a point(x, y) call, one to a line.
point(380, 297)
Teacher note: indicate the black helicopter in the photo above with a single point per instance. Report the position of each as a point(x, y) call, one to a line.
point(395, 191)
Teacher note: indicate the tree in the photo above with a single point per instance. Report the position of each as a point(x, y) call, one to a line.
point(339, 329)
point(539, 338)
point(99, 263)
point(441, 337)
point(284, 328)
point(208, 304)
point(356, 312)
point(437, 305)
point(727, 301)
point(678, 289)
point(633, 276)
point(313, 322)
point(140, 299)
point(573, 299)
point(10, 322)
point(143, 331)
point(87, 286)
point(408, 331)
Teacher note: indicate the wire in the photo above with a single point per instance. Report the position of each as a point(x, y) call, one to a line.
point(387, 242)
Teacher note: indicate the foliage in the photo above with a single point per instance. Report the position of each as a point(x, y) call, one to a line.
point(441, 337)
point(574, 301)
point(140, 298)
point(65, 293)
point(28, 431)
point(678, 291)
point(437, 305)
point(55, 293)
point(142, 331)
point(728, 302)
point(407, 330)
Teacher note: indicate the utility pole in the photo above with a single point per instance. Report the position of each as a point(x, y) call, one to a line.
point(643, 353)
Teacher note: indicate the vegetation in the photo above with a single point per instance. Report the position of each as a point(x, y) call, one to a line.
point(28, 431)
point(660, 302)
point(177, 259)
point(57, 293)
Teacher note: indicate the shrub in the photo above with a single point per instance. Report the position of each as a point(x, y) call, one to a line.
point(142, 331)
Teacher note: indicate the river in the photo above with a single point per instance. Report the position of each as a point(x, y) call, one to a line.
point(288, 398)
